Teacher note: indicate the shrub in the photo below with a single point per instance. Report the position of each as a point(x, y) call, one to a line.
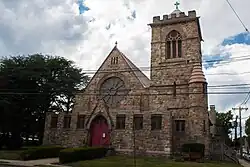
point(193, 151)
point(85, 153)
point(35, 143)
point(13, 142)
point(2, 142)
point(193, 147)
point(41, 152)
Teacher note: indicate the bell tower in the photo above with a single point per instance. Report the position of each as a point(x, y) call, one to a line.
point(175, 47)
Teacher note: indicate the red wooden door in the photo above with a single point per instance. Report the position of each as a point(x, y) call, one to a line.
point(99, 132)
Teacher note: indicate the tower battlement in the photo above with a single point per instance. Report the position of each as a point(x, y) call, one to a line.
point(177, 15)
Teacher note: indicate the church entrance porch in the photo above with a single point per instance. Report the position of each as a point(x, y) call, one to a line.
point(99, 132)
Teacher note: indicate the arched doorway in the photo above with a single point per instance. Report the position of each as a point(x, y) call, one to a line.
point(99, 132)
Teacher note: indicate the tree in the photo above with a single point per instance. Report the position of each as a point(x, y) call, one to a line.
point(224, 121)
point(35, 84)
point(247, 129)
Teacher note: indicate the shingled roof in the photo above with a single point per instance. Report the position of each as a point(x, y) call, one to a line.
point(144, 80)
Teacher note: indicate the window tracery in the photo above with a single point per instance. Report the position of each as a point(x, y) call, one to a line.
point(173, 45)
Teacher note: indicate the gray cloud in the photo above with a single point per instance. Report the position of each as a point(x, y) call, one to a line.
point(39, 26)
point(55, 27)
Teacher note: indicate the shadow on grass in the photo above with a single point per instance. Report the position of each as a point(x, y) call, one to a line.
point(14, 154)
point(10, 154)
point(123, 161)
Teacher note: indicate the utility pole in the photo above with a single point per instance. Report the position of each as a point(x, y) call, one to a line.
point(241, 142)
point(235, 132)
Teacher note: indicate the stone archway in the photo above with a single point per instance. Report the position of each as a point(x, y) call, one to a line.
point(99, 132)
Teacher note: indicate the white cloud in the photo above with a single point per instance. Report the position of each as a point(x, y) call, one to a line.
point(55, 27)
point(237, 66)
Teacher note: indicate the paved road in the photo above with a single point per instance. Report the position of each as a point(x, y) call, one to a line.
point(244, 163)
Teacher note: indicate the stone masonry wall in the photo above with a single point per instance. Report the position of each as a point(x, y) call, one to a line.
point(71, 137)
point(89, 105)
point(166, 71)
point(198, 115)
point(186, 106)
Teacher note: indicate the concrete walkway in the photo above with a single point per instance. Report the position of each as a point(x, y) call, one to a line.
point(49, 161)
point(244, 163)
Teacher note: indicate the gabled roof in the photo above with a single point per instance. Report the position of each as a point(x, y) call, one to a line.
point(142, 78)
point(138, 73)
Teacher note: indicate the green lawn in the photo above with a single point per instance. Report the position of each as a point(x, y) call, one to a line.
point(12, 155)
point(119, 161)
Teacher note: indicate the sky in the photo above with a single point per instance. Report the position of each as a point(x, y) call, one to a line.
point(85, 31)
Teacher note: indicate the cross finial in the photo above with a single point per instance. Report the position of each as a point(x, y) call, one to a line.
point(116, 43)
point(177, 5)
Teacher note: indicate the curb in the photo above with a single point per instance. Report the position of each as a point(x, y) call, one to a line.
point(19, 165)
point(58, 165)
point(10, 164)
point(52, 165)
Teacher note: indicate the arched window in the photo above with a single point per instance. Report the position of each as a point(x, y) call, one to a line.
point(173, 45)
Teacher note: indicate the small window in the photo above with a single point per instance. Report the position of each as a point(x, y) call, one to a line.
point(174, 89)
point(204, 125)
point(80, 121)
point(179, 48)
point(138, 122)
point(54, 120)
point(168, 50)
point(156, 122)
point(174, 49)
point(67, 120)
point(204, 88)
point(114, 60)
point(179, 125)
point(120, 121)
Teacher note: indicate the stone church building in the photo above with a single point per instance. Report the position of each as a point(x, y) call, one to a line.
point(121, 105)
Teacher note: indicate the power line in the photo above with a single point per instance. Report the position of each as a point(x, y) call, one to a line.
point(246, 99)
point(94, 90)
point(229, 85)
point(172, 65)
point(135, 94)
point(211, 74)
point(229, 88)
point(169, 65)
point(245, 117)
point(237, 15)
point(223, 86)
